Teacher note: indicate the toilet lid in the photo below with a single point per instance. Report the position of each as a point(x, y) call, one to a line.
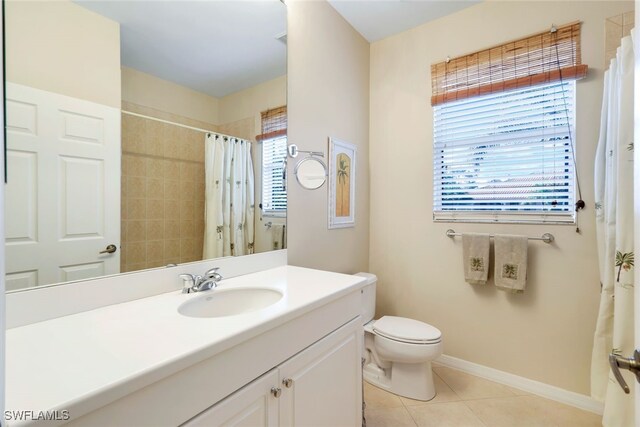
point(406, 330)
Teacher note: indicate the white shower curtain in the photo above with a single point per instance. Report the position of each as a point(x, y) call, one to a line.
point(229, 203)
point(614, 224)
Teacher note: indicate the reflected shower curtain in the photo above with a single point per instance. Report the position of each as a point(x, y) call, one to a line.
point(614, 225)
point(229, 203)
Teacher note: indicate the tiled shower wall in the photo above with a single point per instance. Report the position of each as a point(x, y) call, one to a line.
point(616, 27)
point(162, 190)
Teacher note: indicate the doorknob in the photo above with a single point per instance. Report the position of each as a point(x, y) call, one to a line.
point(109, 249)
point(632, 364)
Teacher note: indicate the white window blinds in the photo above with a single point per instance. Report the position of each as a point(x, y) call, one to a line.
point(274, 193)
point(506, 156)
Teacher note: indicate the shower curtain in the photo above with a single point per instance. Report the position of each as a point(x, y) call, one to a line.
point(229, 201)
point(614, 226)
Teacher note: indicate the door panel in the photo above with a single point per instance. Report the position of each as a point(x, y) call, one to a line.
point(325, 387)
point(63, 190)
point(251, 406)
point(22, 217)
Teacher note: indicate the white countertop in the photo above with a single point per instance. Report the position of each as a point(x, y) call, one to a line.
point(65, 362)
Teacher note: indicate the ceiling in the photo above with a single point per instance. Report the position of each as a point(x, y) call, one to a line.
point(377, 19)
point(221, 47)
point(214, 47)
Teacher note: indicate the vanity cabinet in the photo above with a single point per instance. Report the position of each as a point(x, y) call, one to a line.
point(320, 386)
point(207, 372)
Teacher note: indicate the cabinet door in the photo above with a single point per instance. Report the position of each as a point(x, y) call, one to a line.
point(252, 406)
point(322, 385)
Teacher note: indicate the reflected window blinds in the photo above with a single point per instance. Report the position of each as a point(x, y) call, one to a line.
point(274, 152)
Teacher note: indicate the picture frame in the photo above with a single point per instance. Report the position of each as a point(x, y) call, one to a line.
point(342, 184)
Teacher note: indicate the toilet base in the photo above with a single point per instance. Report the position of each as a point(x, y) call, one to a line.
point(412, 380)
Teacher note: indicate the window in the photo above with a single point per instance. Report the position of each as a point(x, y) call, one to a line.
point(508, 152)
point(274, 193)
point(504, 131)
point(274, 154)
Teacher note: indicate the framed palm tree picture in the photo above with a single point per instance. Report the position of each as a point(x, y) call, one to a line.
point(342, 184)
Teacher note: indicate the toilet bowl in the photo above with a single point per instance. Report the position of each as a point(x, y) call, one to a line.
point(398, 351)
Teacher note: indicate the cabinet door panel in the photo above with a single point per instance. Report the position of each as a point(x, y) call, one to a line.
point(326, 386)
point(251, 406)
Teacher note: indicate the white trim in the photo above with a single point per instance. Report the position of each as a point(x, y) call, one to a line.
point(535, 387)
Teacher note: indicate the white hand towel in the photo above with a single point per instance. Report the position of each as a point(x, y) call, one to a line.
point(511, 262)
point(475, 256)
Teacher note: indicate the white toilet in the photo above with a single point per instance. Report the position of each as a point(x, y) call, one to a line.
point(398, 351)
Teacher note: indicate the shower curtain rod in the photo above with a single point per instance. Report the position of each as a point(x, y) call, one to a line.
point(131, 113)
point(546, 237)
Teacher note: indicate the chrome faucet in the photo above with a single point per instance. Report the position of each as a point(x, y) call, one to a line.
point(197, 283)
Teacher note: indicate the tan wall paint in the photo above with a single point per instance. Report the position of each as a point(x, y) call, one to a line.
point(250, 102)
point(546, 334)
point(153, 92)
point(328, 72)
point(61, 47)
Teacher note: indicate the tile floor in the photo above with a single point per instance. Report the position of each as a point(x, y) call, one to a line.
point(467, 400)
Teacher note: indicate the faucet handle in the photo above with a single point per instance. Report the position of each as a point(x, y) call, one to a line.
point(188, 283)
point(212, 273)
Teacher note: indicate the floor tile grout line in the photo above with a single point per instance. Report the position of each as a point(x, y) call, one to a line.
point(447, 384)
point(411, 416)
point(474, 414)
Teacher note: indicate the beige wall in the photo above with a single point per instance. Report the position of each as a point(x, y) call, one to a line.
point(328, 72)
point(61, 47)
point(546, 334)
point(250, 102)
point(153, 92)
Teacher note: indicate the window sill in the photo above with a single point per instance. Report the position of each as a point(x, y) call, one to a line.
point(506, 218)
point(274, 215)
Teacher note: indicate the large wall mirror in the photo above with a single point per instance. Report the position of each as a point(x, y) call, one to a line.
point(142, 134)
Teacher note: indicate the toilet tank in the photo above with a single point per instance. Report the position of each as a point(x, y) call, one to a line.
point(368, 293)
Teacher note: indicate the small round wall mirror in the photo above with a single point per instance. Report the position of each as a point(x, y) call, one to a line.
point(311, 173)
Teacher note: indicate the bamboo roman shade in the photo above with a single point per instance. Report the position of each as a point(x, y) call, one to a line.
point(541, 58)
point(274, 123)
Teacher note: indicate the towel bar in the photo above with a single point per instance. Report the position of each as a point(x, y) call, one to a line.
point(546, 237)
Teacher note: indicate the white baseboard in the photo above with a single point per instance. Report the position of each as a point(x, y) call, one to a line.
point(531, 386)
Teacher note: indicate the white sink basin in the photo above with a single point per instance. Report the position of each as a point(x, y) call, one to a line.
point(229, 302)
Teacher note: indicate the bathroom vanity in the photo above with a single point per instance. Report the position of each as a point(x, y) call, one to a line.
point(145, 363)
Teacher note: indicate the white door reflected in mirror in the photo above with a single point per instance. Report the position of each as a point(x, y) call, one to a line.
point(311, 173)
